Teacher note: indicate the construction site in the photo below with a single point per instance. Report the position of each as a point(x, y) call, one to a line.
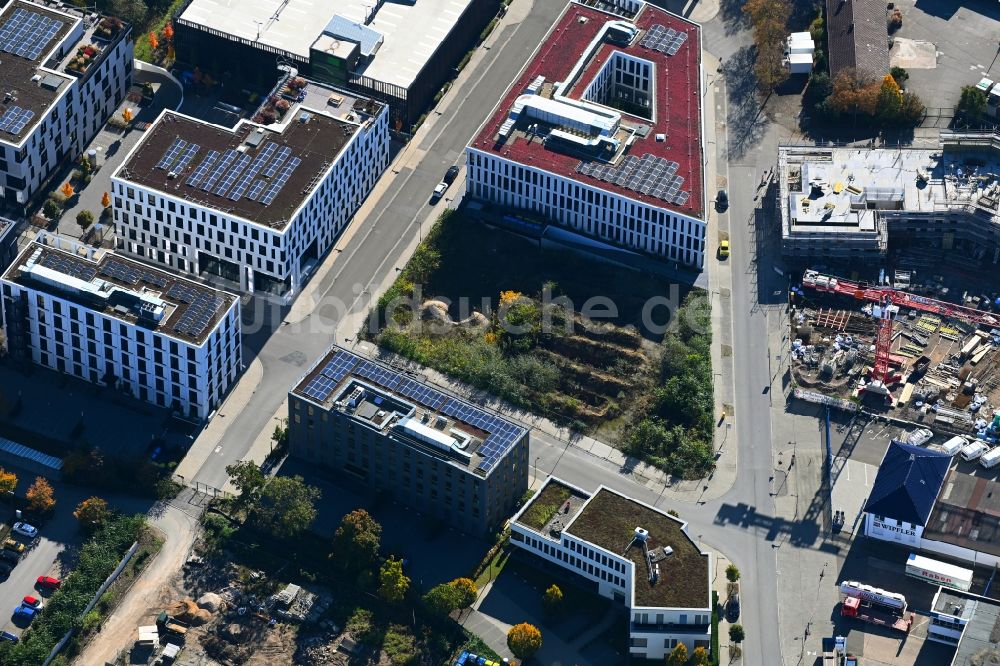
point(900, 346)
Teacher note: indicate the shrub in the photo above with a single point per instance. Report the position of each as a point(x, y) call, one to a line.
point(361, 624)
point(399, 646)
point(732, 573)
point(736, 633)
point(524, 640)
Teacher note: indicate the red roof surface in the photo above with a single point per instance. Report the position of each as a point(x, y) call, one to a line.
point(678, 101)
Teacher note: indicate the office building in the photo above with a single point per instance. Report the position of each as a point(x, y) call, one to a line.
point(399, 53)
point(255, 206)
point(449, 459)
point(114, 322)
point(601, 134)
point(62, 75)
point(627, 551)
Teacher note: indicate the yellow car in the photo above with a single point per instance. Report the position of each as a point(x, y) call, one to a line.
point(15, 546)
point(723, 249)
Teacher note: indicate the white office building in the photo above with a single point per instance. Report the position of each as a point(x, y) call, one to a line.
point(630, 552)
point(256, 206)
point(62, 75)
point(601, 134)
point(115, 322)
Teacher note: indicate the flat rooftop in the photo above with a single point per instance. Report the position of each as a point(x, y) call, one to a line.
point(642, 142)
point(391, 401)
point(967, 513)
point(127, 290)
point(982, 630)
point(834, 190)
point(410, 31)
point(24, 101)
point(261, 174)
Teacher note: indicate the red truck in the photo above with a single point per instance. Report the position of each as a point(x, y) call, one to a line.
point(875, 606)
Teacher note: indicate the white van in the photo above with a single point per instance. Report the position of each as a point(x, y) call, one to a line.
point(954, 445)
point(919, 437)
point(990, 458)
point(974, 450)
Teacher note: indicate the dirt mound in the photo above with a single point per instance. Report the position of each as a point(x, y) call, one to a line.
point(184, 609)
point(211, 601)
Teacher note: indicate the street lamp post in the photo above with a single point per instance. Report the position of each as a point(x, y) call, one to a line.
point(537, 458)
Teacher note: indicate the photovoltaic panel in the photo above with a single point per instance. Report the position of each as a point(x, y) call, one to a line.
point(27, 33)
point(274, 188)
point(68, 265)
point(257, 188)
point(203, 168)
point(19, 122)
point(9, 117)
point(244, 182)
point(173, 152)
point(221, 165)
point(186, 158)
point(276, 163)
point(231, 175)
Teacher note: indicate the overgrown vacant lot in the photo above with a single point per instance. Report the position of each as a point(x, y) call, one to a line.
point(492, 309)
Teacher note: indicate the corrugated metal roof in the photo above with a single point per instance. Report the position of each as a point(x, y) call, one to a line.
point(343, 28)
point(908, 482)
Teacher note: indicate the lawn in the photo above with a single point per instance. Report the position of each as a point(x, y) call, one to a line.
point(545, 505)
point(575, 340)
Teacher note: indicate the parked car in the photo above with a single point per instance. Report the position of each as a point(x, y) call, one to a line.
point(10, 556)
point(450, 175)
point(16, 546)
point(722, 201)
point(439, 191)
point(23, 612)
point(723, 249)
point(24, 529)
point(733, 608)
point(8, 636)
point(34, 602)
point(920, 436)
point(48, 582)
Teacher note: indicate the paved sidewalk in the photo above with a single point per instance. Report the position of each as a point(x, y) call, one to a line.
point(207, 443)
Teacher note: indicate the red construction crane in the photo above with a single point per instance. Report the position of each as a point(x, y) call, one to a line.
point(886, 298)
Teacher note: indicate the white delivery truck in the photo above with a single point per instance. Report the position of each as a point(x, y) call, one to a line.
point(938, 573)
point(974, 450)
point(954, 445)
point(990, 458)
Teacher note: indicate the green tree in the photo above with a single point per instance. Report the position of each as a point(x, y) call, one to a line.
point(392, 582)
point(287, 506)
point(732, 573)
point(972, 103)
point(889, 101)
point(678, 656)
point(524, 640)
point(51, 210)
point(84, 218)
point(700, 657)
point(8, 481)
point(133, 11)
point(249, 482)
point(357, 541)
point(736, 633)
point(900, 75)
point(912, 110)
point(443, 599)
point(553, 599)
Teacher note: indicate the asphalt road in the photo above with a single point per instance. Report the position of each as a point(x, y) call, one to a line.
point(375, 248)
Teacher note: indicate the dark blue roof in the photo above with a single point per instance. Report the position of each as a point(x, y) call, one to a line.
point(908, 482)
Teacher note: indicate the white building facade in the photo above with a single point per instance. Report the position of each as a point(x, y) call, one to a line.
point(69, 325)
point(77, 108)
point(654, 631)
point(186, 235)
point(587, 210)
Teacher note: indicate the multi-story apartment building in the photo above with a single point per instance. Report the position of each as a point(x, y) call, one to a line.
point(443, 456)
point(848, 204)
point(8, 243)
point(630, 552)
point(115, 322)
point(601, 134)
point(252, 205)
point(62, 75)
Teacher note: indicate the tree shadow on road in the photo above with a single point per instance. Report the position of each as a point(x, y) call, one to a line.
point(746, 117)
point(732, 16)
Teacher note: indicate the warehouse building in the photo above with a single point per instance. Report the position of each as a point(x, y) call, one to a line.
point(253, 206)
point(399, 53)
point(846, 203)
point(445, 457)
point(62, 75)
point(114, 322)
point(630, 552)
point(601, 134)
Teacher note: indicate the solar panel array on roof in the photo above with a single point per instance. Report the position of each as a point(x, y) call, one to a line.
point(262, 157)
point(649, 175)
point(14, 119)
point(26, 34)
point(173, 152)
point(242, 162)
point(127, 272)
point(69, 265)
point(322, 385)
point(664, 40)
point(203, 168)
point(221, 166)
point(186, 158)
point(286, 172)
point(202, 306)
